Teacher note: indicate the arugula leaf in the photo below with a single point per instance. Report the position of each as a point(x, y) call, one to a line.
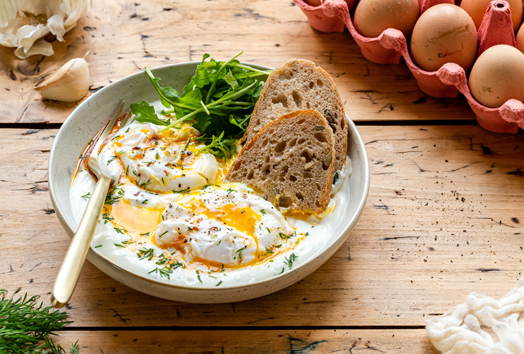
point(218, 146)
point(170, 98)
point(201, 77)
point(217, 76)
point(166, 93)
point(230, 79)
point(218, 101)
point(242, 124)
point(256, 94)
point(145, 113)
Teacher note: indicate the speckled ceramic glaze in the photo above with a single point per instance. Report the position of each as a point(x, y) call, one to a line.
point(93, 113)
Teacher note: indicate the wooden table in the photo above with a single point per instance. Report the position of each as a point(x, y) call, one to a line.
point(443, 218)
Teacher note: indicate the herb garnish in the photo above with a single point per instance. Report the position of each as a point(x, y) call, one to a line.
point(114, 195)
point(144, 113)
point(113, 158)
point(164, 272)
point(217, 146)
point(146, 253)
point(27, 327)
point(284, 236)
point(185, 147)
point(162, 260)
point(146, 183)
point(239, 251)
point(219, 100)
point(335, 177)
point(106, 217)
point(181, 191)
point(289, 261)
point(176, 265)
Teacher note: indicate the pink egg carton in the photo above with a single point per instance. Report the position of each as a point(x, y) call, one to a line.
point(450, 79)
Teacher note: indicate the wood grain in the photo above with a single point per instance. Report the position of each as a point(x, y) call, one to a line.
point(124, 37)
point(444, 218)
point(255, 342)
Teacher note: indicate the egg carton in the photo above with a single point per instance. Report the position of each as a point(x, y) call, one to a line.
point(390, 46)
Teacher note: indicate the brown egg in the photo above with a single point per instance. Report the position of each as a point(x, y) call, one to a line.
point(350, 3)
point(497, 76)
point(444, 33)
point(520, 39)
point(372, 17)
point(477, 9)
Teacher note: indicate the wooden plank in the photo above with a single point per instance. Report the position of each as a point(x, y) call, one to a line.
point(444, 218)
point(124, 37)
point(261, 341)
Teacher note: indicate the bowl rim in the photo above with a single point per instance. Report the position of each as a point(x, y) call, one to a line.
point(334, 244)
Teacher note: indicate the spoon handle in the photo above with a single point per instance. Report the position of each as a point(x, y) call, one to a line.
point(76, 254)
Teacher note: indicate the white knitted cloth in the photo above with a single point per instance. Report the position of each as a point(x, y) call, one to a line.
point(482, 325)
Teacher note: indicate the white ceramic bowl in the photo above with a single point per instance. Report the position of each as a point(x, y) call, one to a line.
point(93, 113)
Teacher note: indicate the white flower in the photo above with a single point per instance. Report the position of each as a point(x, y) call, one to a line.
point(24, 23)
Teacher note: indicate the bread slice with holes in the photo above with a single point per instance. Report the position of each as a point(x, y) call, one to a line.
point(300, 84)
point(291, 160)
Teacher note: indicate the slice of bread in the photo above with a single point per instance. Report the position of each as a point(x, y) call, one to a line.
point(291, 160)
point(300, 84)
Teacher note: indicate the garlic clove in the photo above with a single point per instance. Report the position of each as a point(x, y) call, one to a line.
point(69, 83)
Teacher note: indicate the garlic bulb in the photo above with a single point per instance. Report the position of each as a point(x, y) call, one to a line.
point(24, 23)
point(70, 83)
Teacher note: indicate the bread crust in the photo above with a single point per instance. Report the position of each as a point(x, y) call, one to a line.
point(318, 146)
point(287, 89)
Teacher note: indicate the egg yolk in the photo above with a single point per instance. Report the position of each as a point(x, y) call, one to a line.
point(242, 219)
point(137, 221)
point(223, 168)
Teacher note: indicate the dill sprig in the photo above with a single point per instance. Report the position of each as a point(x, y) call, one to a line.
point(27, 327)
point(289, 261)
point(146, 253)
point(114, 195)
point(163, 272)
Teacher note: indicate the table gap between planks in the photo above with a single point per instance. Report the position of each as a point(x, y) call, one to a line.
point(443, 218)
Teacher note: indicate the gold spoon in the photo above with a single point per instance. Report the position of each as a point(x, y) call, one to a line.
point(76, 253)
